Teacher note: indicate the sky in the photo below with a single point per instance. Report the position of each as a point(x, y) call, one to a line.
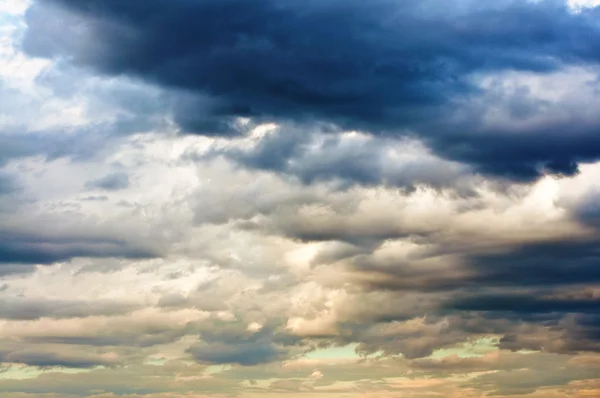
point(304, 199)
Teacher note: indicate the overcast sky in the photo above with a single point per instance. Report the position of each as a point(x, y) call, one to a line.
point(284, 198)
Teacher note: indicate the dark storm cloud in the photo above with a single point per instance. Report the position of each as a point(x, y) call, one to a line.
point(381, 66)
point(525, 304)
point(524, 155)
point(45, 359)
point(537, 296)
point(29, 248)
point(23, 309)
point(534, 265)
point(111, 182)
point(553, 263)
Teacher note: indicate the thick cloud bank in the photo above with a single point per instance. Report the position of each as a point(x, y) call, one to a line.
point(385, 67)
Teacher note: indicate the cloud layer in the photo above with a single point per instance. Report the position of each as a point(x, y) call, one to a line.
point(305, 199)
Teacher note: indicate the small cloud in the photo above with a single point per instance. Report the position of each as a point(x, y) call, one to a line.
point(111, 182)
point(254, 327)
point(317, 374)
point(102, 198)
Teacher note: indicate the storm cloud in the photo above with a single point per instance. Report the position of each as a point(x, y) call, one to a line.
point(20, 248)
point(388, 67)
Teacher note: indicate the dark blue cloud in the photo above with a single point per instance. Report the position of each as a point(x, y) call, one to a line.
point(381, 66)
point(555, 263)
point(523, 154)
point(32, 248)
point(525, 304)
point(535, 265)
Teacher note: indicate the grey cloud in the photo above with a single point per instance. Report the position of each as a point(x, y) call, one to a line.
point(231, 342)
point(338, 227)
point(537, 285)
point(130, 338)
point(27, 309)
point(530, 303)
point(124, 333)
point(588, 210)
point(548, 264)
point(111, 182)
point(208, 301)
point(173, 300)
point(52, 359)
point(363, 160)
point(76, 143)
point(45, 358)
point(336, 251)
point(15, 269)
point(100, 198)
point(245, 353)
point(14, 145)
point(407, 338)
point(18, 247)
point(8, 184)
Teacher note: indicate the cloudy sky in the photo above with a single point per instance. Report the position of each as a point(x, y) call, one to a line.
point(282, 198)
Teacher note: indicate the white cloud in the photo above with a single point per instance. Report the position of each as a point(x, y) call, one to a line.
point(578, 4)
